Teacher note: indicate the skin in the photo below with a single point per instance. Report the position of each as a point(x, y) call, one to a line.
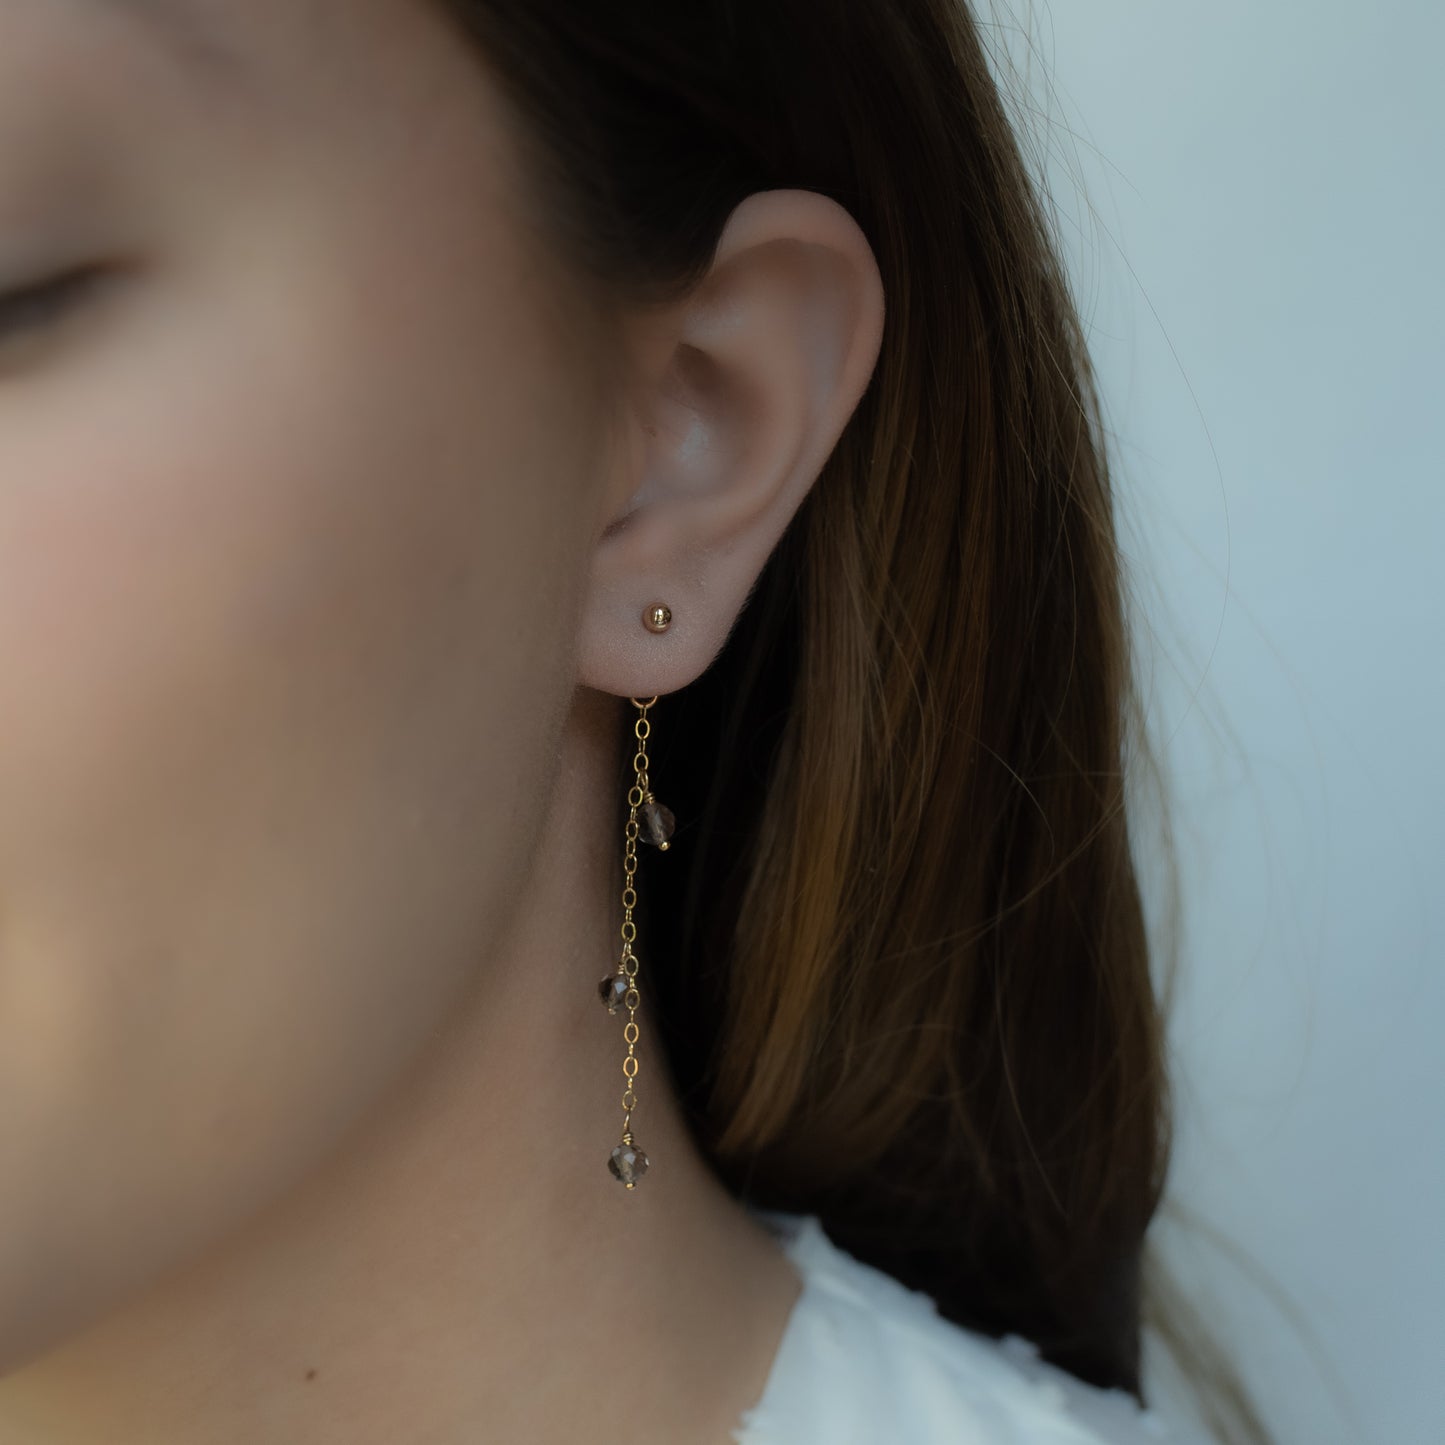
point(318, 619)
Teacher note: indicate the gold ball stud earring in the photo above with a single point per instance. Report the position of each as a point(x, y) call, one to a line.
point(657, 618)
point(653, 822)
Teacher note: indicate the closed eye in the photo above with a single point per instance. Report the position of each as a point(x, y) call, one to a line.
point(33, 308)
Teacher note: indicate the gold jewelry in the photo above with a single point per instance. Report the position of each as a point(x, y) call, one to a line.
point(654, 823)
point(657, 618)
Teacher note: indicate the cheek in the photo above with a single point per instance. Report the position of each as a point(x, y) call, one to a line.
point(270, 700)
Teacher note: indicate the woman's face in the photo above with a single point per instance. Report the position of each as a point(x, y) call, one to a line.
point(294, 507)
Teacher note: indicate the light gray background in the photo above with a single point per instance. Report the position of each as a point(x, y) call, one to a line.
point(1250, 195)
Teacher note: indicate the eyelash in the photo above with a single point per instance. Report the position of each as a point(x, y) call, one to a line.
point(33, 308)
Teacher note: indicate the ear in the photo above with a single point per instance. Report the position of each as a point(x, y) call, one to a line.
point(739, 394)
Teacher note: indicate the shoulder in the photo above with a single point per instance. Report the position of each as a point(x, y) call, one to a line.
point(866, 1361)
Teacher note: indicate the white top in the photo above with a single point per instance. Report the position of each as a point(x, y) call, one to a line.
point(864, 1360)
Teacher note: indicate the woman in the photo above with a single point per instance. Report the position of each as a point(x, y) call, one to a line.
point(452, 451)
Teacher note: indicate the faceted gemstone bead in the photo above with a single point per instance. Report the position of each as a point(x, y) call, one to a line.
point(657, 822)
point(628, 1163)
point(612, 990)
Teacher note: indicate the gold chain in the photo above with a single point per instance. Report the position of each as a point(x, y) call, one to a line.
point(637, 795)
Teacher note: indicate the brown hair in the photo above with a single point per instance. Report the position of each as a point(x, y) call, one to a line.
point(902, 976)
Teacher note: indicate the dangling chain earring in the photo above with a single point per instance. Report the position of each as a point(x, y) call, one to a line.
point(653, 822)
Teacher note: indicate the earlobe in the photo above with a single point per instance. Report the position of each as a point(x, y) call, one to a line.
point(744, 389)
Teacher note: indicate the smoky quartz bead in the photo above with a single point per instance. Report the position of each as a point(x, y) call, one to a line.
point(657, 823)
point(612, 990)
point(628, 1163)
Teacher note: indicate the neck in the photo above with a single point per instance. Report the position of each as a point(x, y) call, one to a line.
point(463, 1267)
